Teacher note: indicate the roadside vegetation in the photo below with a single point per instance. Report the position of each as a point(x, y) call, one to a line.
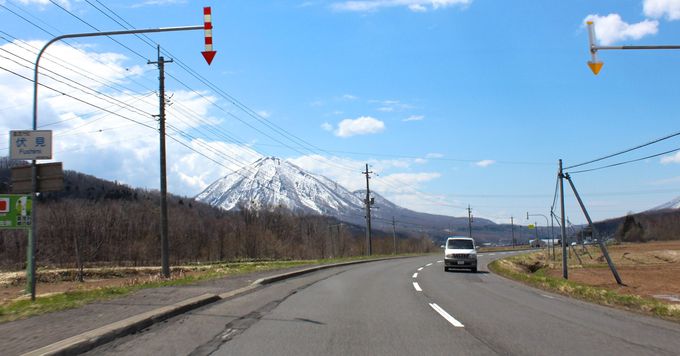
point(503, 248)
point(644, 268)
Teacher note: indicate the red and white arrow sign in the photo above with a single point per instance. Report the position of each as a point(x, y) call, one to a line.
point(208, 54)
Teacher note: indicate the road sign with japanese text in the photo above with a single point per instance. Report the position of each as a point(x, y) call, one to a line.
point(30, 144)
point(15, 211)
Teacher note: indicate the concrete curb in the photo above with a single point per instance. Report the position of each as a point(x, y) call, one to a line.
point(91, 339)
point(97, 337)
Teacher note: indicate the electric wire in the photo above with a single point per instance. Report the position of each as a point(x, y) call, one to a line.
point(626, 162)
point(625, 151)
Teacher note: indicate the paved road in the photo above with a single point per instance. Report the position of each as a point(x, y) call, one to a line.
point(403, 307)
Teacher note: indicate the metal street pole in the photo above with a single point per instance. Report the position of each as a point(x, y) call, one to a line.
point(552, 233)
point(512, 227)
point(596, 65)
point(546, 224)
point(469, 219)
point(34, 181)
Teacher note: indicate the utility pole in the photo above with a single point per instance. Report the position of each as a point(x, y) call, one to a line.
point(512, 226)
point(368, 201)
point(165, 260)
point(394, 235)
point(565, 270)
point(469, 219)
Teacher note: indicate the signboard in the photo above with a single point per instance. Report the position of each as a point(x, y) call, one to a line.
point(531, 226)
point(50, 178)
point(30, 144)
point(15, 211)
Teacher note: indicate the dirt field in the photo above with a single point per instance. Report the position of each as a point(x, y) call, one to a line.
point(647, 269)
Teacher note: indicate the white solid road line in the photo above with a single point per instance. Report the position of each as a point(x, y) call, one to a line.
point(417, 287)
point(421, 268)
point(415, 275)
point(492, 254)
point(428, 265)
point(446, 316)
point(548, 296)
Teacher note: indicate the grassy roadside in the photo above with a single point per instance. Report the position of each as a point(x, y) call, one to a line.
point(529, 269)
point(23, 308)
point(503, 248)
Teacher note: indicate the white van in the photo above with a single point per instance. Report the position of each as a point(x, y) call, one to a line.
point(460, 252)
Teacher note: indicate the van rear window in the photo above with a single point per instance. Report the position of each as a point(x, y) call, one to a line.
point(461, 244)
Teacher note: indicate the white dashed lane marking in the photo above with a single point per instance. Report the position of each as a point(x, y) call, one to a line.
point(417, 287)
point(415, 275)
point(421, 268)
point(428, 265)
point(446, 316)
point(441, 261)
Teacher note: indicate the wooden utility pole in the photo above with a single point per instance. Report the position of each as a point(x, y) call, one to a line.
point(165, 260)
point(368, 201)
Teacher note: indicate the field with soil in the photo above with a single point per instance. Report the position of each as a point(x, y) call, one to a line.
point(647, 269)
point(650, 273)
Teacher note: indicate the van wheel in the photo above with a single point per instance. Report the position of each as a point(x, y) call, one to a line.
point(446, 269)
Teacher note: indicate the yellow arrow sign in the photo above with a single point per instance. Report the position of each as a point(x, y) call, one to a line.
point(595, 66)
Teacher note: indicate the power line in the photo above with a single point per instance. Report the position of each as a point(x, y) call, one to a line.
point(624, 151)
point(626, 162)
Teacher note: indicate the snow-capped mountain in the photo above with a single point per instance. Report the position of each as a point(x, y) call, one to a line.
point(271, 182)
point(673, 204)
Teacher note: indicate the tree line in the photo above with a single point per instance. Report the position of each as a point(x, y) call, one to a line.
point(96, 222)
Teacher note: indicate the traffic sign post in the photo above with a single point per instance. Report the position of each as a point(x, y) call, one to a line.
point(595, 65)
point(30, 144)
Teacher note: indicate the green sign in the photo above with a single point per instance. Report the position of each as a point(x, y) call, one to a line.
point(15, 211)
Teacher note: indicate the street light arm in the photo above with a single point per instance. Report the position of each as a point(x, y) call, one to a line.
point(92, 34)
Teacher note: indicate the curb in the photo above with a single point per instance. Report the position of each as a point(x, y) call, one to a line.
point(89, 340)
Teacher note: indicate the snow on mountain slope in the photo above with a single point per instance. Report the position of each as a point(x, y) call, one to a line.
point(271, 182)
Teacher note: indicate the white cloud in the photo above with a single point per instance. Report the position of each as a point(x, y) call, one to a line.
point(350, 97)
point(413, 5)
point(414, 118)
point(389, 179)
point(611, 28)
point(158, 3)
point(104, 144)
point(675, 158)
point(485, 163)
point(363, 125)
point(264, 114)
point(660, 8)
point(65, 3)
point(327, 127)
point(434, 155)
point(386, 109)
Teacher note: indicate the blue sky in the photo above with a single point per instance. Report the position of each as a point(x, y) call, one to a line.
point(451, 102)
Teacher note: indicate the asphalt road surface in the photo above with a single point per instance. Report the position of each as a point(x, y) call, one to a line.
point(402, 307)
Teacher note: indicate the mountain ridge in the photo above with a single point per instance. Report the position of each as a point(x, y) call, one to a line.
point(271, 182)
